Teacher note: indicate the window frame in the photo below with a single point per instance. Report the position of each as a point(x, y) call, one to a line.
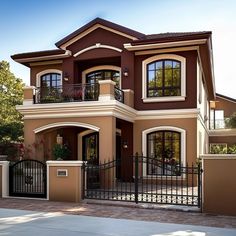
point(163, 171)
point(183, 146)
point(161, 57)
point(44, 72)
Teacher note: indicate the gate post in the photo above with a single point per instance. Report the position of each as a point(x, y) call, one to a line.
point(4, 178)
point(199, 169)
point(136, 159)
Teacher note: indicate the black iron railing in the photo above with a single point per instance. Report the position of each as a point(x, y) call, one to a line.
point(181, 186)
point(67, 93)
point(119, 95)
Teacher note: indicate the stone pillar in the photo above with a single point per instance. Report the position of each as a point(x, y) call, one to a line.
point(107, 90)
point(29, 93)
point(129, 97)
point(4, 178)
point(64, 181)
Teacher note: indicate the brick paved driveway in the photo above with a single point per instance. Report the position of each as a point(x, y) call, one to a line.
point(121, 212)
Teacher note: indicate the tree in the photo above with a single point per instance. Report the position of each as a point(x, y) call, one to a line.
point(231, 121)
point(11, 94)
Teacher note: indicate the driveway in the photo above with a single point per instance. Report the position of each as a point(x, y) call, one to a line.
point(23, 223)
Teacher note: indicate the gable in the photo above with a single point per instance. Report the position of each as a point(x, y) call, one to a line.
point(98, 39)
point(95, 24)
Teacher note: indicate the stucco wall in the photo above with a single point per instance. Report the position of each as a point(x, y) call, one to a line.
point(66, 188)
point(106, 125)
point(219, 191)
point(189, 125)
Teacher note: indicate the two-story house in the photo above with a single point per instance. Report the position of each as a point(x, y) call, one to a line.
point(108, 92)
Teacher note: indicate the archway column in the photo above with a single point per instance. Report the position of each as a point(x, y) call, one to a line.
point(107, 139)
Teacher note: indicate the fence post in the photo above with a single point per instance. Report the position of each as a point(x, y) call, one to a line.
point(136, 177)
point(199, 186)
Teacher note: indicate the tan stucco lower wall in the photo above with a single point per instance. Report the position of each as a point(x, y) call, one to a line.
point(106, 125)
point(229, 140)
point(189, 125)
point(66, 188)
point(1, 181)
point(219, 191)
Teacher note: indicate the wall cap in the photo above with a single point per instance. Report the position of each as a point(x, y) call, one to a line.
point(65, 163)
point(218, 157)
point(4, 163)
point(28, 87)
point(107, 81)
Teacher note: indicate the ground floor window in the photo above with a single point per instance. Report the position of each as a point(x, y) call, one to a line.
point(163, 148)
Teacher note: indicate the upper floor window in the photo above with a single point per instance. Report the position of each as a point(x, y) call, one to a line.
point(51, 80)
point(164, 78)
point(95, 76)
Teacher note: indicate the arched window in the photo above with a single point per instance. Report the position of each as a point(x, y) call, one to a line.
point(50, 80)
point(164, 78)
point(165, 147)
point(95, 76)
point(50, 88)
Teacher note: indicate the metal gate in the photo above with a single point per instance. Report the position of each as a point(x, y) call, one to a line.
point(152, 181)
point(27, 178)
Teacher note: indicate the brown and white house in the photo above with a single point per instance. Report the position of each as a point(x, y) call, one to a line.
point(109, 92)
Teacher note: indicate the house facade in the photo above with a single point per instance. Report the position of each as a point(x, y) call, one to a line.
point(108, 92)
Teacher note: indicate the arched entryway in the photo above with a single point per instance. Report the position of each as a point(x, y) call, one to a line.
point(69, 141)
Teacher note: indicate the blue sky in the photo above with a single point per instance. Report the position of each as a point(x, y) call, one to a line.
point(34, 25)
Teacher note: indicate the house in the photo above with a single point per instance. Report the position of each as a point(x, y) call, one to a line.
point(222, 136)
point(108, 92)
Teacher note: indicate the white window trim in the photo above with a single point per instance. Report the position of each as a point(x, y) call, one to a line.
point(102, 67)
point(183, 78)
point(41, 73)
point(168, 128)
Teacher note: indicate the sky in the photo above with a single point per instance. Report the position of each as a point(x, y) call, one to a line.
point(35, 25)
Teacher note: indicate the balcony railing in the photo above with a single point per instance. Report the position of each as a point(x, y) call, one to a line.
point(119, 95)
point(72, 93)
point(218, 123)
point(67, 93)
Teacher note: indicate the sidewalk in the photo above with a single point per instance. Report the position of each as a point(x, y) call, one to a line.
point(28, 223)
point(120, 212)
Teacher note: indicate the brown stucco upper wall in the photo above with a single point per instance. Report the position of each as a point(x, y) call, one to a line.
point(34, 70)
point(229, 107)
point(191, 84)
point(99, 36)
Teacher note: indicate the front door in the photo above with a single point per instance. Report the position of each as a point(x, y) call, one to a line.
point(90, 148)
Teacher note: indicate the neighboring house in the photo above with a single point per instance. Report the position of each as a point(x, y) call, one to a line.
point(108, 92)
point(222, 135)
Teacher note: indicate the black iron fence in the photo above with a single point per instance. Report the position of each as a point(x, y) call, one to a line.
point(180, 186)
point(27, 178)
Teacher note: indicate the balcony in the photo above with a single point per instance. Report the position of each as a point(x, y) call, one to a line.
point(221, 124)
point(67, 93)
point(75, 93)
